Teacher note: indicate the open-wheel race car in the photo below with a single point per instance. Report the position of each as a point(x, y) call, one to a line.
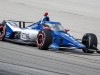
point(46, 35)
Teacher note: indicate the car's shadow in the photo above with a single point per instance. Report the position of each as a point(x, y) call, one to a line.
point(62, 50)
point(74, 51)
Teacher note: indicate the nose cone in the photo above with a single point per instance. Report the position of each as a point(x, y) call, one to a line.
point(80, 46)
point(71, 41)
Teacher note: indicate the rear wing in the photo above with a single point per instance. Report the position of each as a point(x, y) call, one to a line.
point(21, 24)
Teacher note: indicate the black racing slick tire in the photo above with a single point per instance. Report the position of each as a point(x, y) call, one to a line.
point(90, 41)
point(44, 39)
point(2, 31)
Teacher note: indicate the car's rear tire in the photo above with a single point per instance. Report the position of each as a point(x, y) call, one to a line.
point(90, 41)
point(44, 39)
point(2, 31)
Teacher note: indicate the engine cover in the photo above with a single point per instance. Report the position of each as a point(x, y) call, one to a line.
point(28, 35)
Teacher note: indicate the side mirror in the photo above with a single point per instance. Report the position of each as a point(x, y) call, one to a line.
point(66, 30)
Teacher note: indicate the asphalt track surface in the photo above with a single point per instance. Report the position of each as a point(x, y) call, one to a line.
point(80, 16)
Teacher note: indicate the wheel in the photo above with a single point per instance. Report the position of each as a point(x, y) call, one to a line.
point(2, 32)
point(90, 41)
point(44, 39)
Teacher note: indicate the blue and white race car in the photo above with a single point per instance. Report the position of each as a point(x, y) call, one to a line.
point(46, 35)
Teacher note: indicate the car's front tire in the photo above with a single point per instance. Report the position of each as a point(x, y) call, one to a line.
point(90, 41)
point(44, 39)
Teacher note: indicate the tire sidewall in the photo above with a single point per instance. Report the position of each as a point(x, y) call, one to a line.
point(43, 39)
point(3, 34)
point(47, 39)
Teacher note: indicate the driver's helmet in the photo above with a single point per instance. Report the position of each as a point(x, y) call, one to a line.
point(45, 26)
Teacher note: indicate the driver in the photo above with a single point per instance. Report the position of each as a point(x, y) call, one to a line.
point(44, 26)
point(44, 18)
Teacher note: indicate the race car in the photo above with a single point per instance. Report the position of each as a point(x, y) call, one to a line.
point(48, 35)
